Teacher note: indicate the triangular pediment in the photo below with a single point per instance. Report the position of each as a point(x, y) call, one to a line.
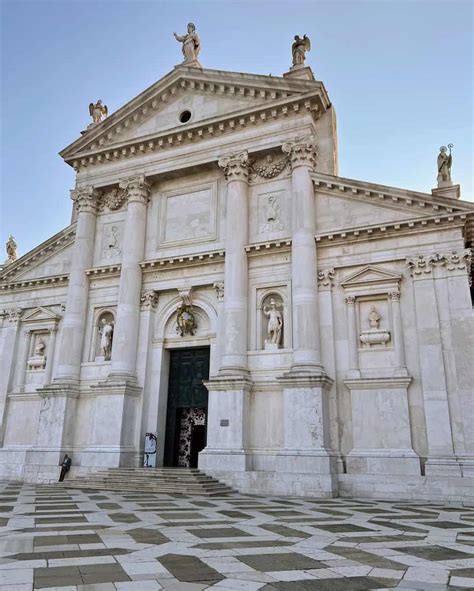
point(208, 94)
point(51, 258)
point(370, 275)
point(40, 314)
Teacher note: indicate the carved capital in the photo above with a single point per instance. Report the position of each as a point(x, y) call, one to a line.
point(86, 199)
point(235, 166)
point(149, 300)
point(350, 300)
point(302, 152)
point(137, 188)
point(14, 315)
point(219, 287)
point(394, 296)
point(325, 277)
point(421, 265)
point(460, 260)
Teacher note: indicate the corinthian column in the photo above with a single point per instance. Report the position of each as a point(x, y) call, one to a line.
point(72, 334)
point(306, 345)
point(234, 357)
point(124, 347)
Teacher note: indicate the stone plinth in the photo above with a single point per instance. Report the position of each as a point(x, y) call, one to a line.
point(449, 191)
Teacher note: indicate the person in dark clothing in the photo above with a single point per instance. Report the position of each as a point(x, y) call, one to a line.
point(65, 467)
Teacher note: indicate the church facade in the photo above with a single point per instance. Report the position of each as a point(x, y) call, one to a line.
point(222, 288)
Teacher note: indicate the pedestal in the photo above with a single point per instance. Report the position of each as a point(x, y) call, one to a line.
point(449, 191)
point(227, 425)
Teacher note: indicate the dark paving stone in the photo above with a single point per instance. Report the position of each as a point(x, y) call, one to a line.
point(53, 554)
point(342, 528)
point(246, 544)
point(124, 517)
point(219, 532)
point(343, 584)
point(287, 532)
point(189, 569)
point(63, 581)
point(446, 524)
point(59, 519)
point(50, 540)
point(203, 504)
point(275, 562)
point(147, 536)
point(398, 526)
point(177, 516)
point(366, 558)
point(462, 572)
point(98, 497)
point(384, 538)
point(283, 513)
point(434, 552)
point(235, 514)
point(6, 508)
point(3, 521)
point(109, 506)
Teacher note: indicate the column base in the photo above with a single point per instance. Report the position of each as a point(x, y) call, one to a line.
point(444, 466)
point(383, 461)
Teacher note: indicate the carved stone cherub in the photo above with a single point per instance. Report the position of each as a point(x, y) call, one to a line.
point(98, 111)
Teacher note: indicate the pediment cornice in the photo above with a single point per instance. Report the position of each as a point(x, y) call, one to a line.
point(390, 197)
point(269, 98)
point(14, 270)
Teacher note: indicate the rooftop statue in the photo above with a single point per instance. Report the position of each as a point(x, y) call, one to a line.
point(191, 45)
point(299, 48)
point(98, 112)
point(445, 161)
point(11, 247)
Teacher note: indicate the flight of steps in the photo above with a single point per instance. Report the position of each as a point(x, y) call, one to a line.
point(188, 481)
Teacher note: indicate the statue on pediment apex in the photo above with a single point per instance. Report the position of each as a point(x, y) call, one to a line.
point(445, 162)
point(299, 48)
point(11, 247)
point(98, 111)
point(191, 45)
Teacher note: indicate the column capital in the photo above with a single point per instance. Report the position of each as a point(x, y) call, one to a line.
point(350, 300)
point(235, 166)
point(325, 278)
point(137, 188)
point(149, 300)
point(394, 296)
point(302, 151)
point(86, 199)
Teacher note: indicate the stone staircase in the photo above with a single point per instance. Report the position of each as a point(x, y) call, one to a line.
point(188, 481)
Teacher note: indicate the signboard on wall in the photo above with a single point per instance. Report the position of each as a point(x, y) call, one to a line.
point(149, 460)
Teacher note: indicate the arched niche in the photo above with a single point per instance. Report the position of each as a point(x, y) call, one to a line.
point(272, 311)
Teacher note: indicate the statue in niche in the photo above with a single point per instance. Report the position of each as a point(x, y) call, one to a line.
point(11, 247)
point(106, 332)
point(272, 215)
point(374, 318)
point(299, 48)
point(274, 326)
point(191, 44)
point(112, 249)
point(38, 360)
point(185, 321)
point(445, 161)
point(40, 348)
point(98, 111)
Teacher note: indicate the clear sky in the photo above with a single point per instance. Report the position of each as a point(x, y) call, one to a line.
point(399, 73)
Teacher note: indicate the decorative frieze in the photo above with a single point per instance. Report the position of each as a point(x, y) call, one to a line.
point(219, 287)
point(235, 166)
point(86, 199)
point(113, 200)
point(149, 300)
point(326, 277)
point(422, 265)
point(302, 152)
point(268, 167)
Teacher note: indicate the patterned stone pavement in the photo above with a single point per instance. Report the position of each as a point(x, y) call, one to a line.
point(102, 541)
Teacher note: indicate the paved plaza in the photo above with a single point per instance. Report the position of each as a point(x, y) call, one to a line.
point(99, 541)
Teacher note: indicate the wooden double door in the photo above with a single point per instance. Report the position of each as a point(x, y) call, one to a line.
point(186, 416)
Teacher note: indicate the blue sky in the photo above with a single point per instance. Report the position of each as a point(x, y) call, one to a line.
point(399, 73)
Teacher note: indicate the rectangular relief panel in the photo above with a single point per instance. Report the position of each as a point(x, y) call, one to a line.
point(188, 215)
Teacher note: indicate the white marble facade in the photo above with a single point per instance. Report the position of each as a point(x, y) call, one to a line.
point(362, 385)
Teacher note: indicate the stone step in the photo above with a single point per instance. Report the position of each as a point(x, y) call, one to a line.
point(153, 480)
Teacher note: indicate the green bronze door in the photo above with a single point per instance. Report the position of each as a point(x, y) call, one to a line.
point(186, 415)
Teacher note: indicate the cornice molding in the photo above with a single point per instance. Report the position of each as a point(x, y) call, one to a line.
point(199, 258)
point(53, 280)
point(107, 271)
point(270, 245)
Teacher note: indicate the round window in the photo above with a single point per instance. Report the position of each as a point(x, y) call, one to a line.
point(185, 116)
